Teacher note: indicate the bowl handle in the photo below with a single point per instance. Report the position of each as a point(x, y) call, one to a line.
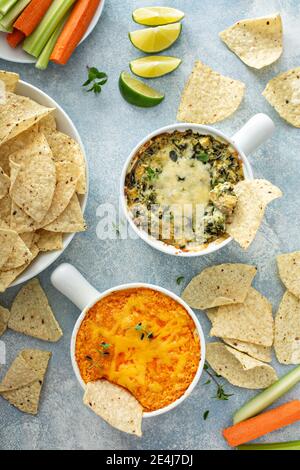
point(256, 131)
point(70, 282)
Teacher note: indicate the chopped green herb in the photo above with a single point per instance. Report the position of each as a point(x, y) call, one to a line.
point(139, 327)
point(151, 174)
point(203, 157)
point(205, 415)
point(96, 79)
point(207, 382)
point(179, 280)
point(105, 345)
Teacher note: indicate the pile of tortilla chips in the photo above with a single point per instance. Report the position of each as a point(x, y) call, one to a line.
point(31, 314)
point(241, 317)
point(42, 173)
point(23, 382)
point(287, 320)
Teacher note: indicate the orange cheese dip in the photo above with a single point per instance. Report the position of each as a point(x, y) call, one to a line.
point(143, 341)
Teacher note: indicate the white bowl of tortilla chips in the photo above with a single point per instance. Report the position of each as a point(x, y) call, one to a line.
point(46, 215)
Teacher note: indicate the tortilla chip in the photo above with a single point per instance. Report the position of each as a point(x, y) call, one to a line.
point(33, 188)
point(47, 124)
point(20, 221)
point(19, 255)
point(8, 277)
point(4, 317)
point(219, 285)
point(8, 239)
point(287, 330)
point(115, 405)
point(4, 184)
point(256, 41)
point(66, 180)
point(251, 321)
point(283, 93)
point(49, 241)
point(19, 375)
point(70, 220)
point(289, 271)
point(27, 398)
point(10, 79)
point(18, 114)
point(261, 353)
point(64, 148)
point(31, 314)
point(238, 368)
point(2, 92)
point(28, 238)
point(5, 209)
point(209, 97)
point(253, 198)
point(18, 143)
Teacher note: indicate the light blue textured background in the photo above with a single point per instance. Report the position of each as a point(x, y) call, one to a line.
point(110, 128)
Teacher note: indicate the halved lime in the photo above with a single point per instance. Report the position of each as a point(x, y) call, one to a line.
point(157, 39)
point(157, 16)
point(154, 66)
point(138, 93)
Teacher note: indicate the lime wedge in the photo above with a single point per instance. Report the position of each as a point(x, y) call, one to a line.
point(157, 16)
point(138, 93)
point(155, 39)
point(154, 66)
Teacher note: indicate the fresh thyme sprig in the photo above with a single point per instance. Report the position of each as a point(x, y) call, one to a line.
point(221, 394)
point(96, 79)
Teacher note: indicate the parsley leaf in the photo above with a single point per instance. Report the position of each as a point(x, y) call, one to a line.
point(96, 79)
point(205, 415)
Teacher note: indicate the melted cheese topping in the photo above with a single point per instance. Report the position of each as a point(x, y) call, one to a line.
point(183, 182)
point(157, 371)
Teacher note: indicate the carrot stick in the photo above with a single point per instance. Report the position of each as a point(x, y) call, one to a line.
point(32, 16)
point(15, 38)
point(262, 424)
point(74, 30)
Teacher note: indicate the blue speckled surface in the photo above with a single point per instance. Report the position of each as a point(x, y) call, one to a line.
point(110, 128)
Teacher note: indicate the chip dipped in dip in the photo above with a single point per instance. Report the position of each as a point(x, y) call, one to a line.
point(142, 340)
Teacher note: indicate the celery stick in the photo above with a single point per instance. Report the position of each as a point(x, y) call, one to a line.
point(8, 20)
point(6, 5)
point(44, 58)
point(268, 396)
point(5, 30)
point(291, 445)
point(35, 43)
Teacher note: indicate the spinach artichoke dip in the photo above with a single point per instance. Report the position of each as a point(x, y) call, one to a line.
point(180, 188)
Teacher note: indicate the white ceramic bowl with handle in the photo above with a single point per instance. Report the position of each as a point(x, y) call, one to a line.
point(70, 282)
point(20, 56)
point(64, 124)
point(256, 131)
